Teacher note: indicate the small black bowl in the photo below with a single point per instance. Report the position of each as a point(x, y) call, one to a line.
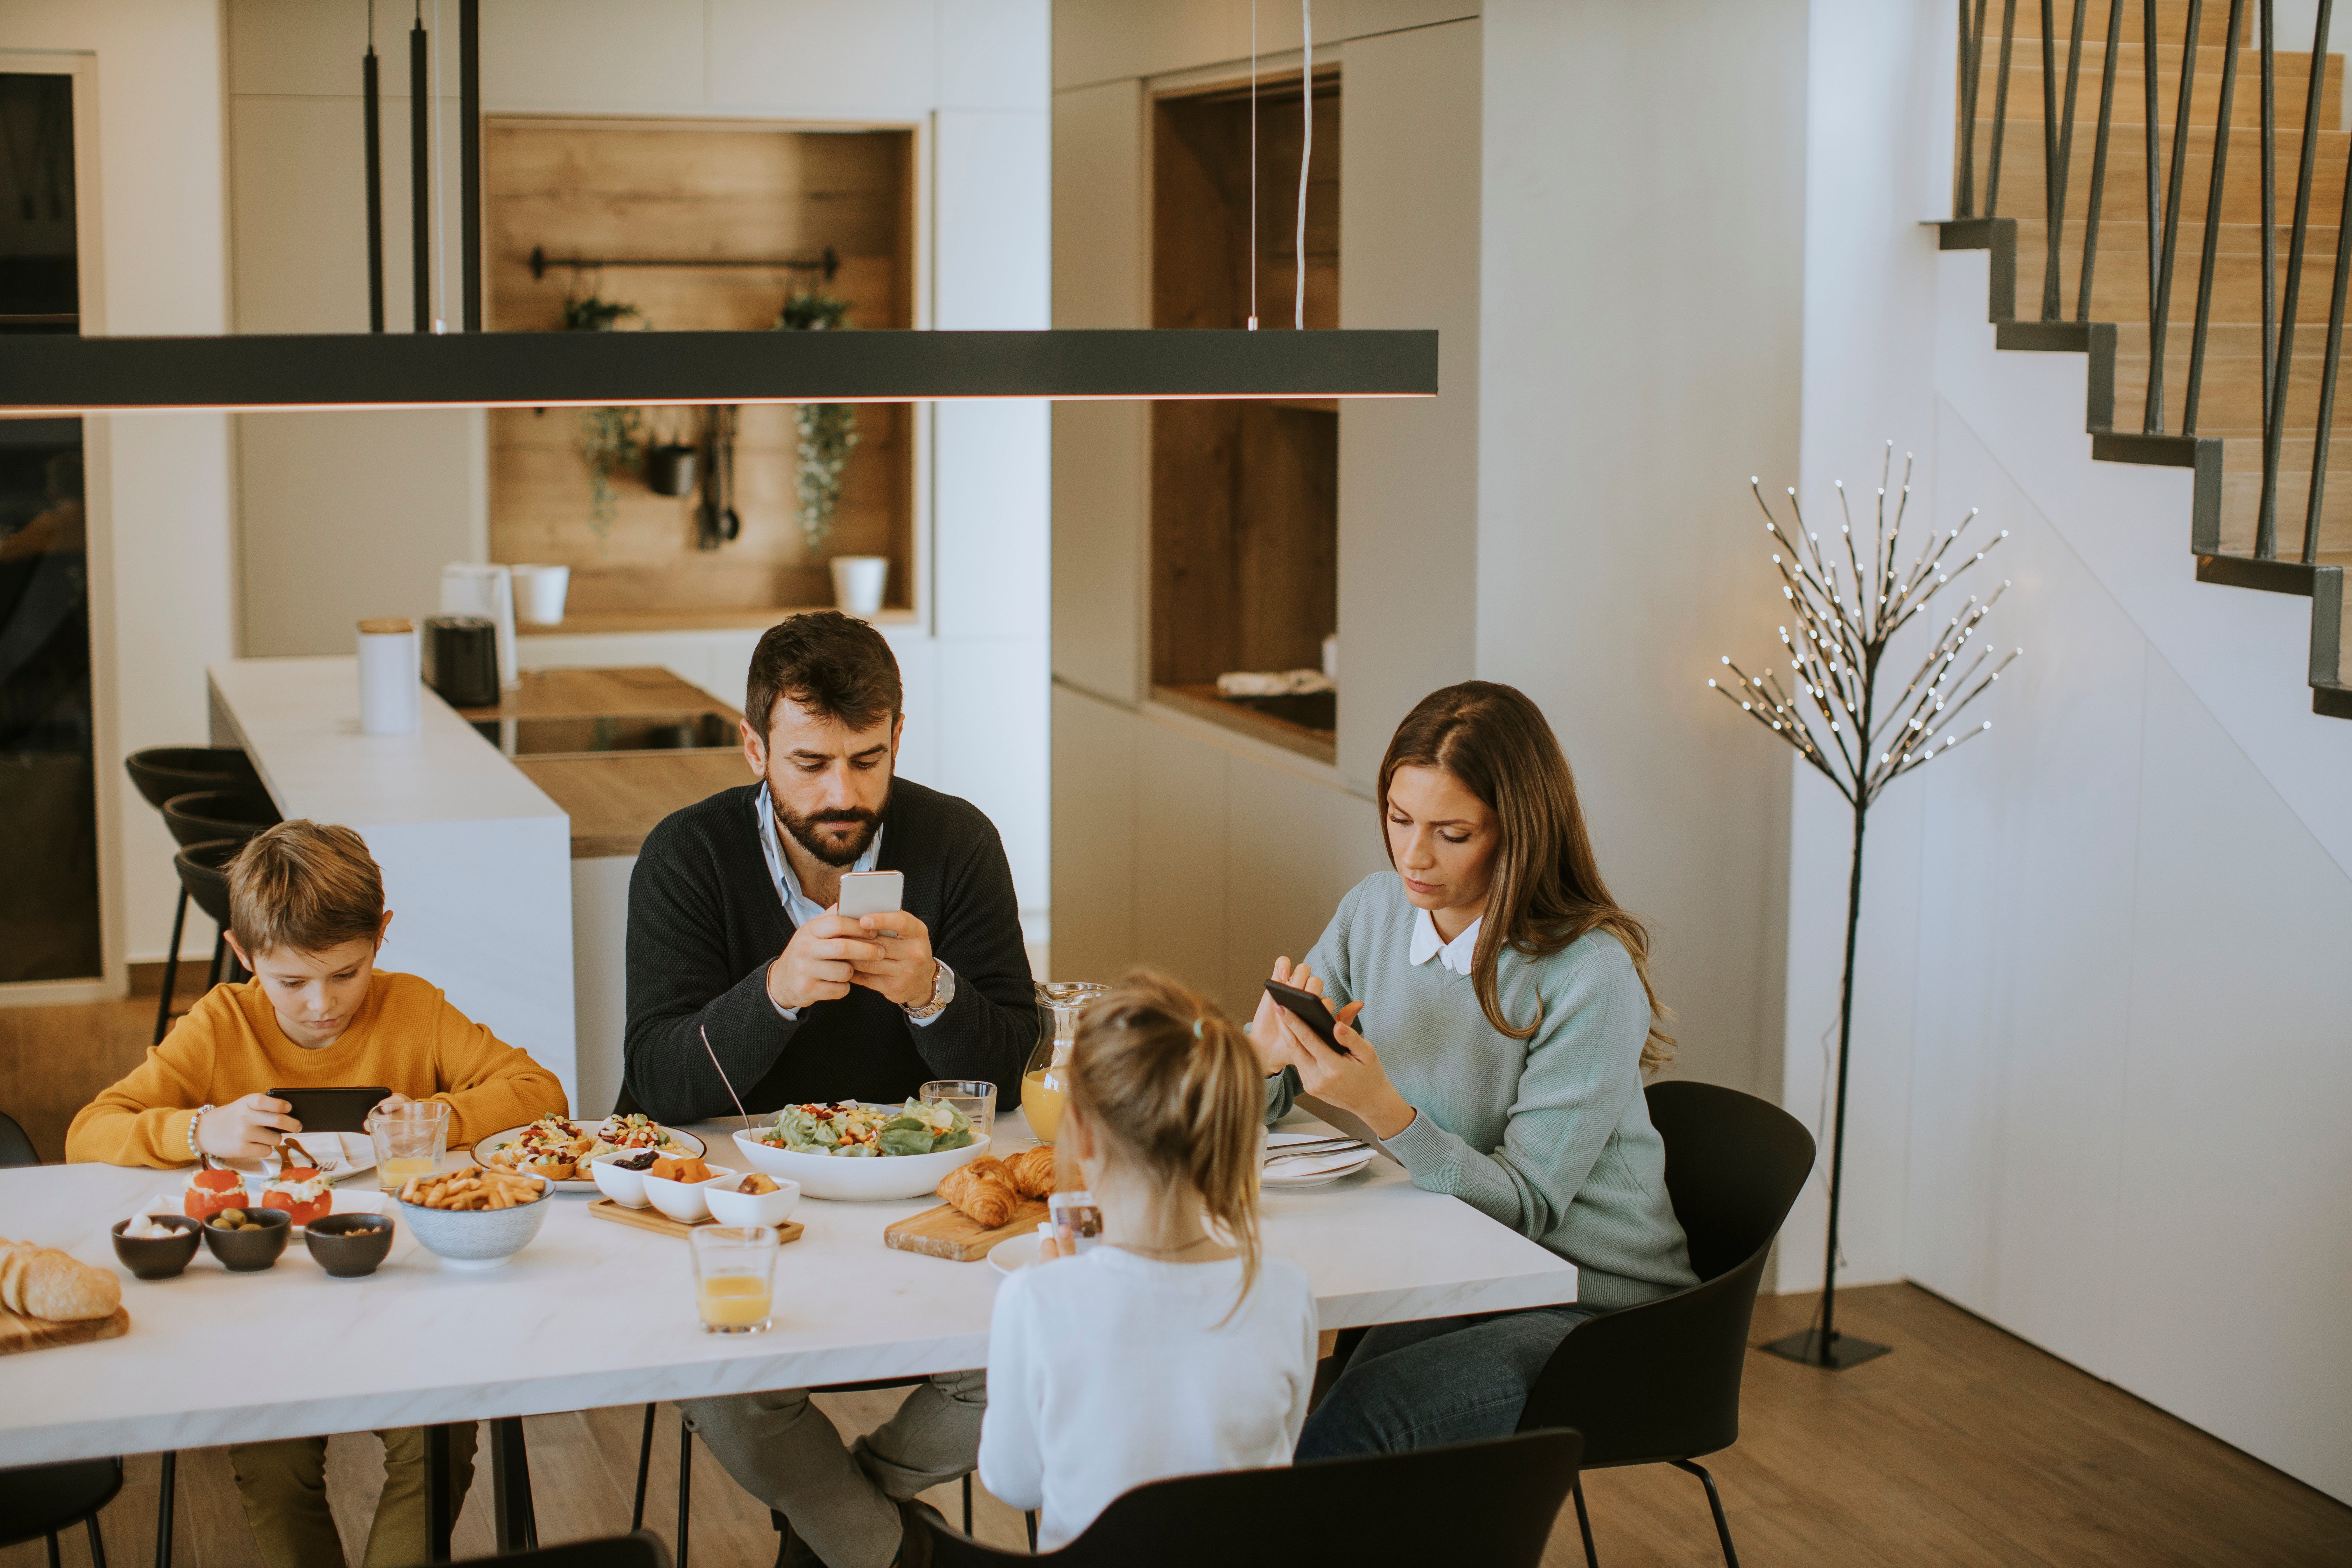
point(157, 1257)
point(348, 1245)
point(246, 1251)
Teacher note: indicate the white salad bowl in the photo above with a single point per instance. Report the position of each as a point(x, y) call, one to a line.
point(860, 1178)
point(729, 1206)
point(682, 1201)
point(625, 1188)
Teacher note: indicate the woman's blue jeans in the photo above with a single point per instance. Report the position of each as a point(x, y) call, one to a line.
point(1447, 1380)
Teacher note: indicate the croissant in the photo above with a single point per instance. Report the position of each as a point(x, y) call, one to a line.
point(982, 1192)
point(1032, 1172)
point(42, 1282)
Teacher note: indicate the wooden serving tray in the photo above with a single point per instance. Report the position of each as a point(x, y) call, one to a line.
point(660, 1222)
point(946, 1232)
point(21, 1333)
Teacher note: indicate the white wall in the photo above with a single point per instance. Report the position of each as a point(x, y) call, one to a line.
point(163, 592)
point(363, 509)
point(1177, 843)
point(1640, 298)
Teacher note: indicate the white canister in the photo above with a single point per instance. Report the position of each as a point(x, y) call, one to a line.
point(858, 582)
point(391, 681)
point(538, 593)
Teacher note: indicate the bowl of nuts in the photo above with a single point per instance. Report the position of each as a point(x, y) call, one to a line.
point(248, 1240)
point(474, 1219)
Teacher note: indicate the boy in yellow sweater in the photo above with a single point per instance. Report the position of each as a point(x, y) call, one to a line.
point(307, 917)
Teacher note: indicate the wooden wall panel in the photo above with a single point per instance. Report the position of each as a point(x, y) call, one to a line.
point(610, 188)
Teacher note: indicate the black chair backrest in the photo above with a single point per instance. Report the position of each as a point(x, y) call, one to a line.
point(202, 869)
point(1734, 1165)
point(162, 772)
point(39, 1499)
point(1489, 1503)
point(15, 1146)
point(1661, 1381)
point(205, 815)
point(642, 1550)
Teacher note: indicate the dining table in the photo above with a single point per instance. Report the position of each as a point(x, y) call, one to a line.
point(593, 1314)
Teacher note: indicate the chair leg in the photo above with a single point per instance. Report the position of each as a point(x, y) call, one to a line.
point(54, 1560)
point(171, 967)
point(966, 1502)
point(1032, 1517)
point(164, 1509)
point(1714, 1501)
point(1584, 1524)
point(685, 1482)
point(645, 1463)
point(96, 1545)
point(439, 1495)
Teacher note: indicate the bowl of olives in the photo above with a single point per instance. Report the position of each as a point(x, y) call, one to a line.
point(246, 1240)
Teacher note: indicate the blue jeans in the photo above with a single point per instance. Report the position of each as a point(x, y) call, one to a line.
point(1447, 1380)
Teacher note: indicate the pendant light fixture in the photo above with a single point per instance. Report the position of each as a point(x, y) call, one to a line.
point(433, 368)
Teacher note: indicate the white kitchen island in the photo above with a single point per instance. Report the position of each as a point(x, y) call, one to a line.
point(477, 859)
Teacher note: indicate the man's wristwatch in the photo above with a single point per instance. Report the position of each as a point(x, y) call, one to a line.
point(942, 992)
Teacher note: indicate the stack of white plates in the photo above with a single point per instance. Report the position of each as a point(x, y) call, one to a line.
point(1320, 1159)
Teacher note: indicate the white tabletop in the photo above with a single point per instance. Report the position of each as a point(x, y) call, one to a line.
point(594, 1313)
point(299, 720)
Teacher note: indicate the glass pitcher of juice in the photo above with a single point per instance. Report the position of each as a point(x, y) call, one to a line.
point(1044, 1084)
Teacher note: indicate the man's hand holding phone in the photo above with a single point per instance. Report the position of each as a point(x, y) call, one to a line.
point(820, 963)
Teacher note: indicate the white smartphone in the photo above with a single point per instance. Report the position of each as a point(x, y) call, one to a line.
point(872, 892)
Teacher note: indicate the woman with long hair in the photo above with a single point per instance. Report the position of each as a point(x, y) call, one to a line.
point(1510, 996)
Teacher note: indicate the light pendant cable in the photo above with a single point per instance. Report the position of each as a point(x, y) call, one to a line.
point(1253, 250)
point(441, 185)
point(1306, 151)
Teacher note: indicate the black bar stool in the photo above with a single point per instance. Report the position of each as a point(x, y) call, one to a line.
point(207, 817)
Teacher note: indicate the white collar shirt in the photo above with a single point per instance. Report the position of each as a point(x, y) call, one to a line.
point(1454, 955)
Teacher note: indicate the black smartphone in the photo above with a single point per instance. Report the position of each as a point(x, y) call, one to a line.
point(333, 1109)
point(1309, 1010)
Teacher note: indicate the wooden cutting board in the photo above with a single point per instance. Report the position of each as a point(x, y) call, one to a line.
point(946, 1232)
point(20, 1333)
point(655, 1220)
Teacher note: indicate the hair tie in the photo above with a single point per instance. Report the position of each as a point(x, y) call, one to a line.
point(1196, 1027)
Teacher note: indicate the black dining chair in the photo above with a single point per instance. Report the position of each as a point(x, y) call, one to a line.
point(206, 818)
point(1490, 1503)
point(638, 1550)
point(203, 870)
point(1659, 1383)
point(686, 1465)
point(15, 1143)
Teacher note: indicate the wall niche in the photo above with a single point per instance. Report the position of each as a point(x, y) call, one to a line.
point(695, 191)
point(1245, 494)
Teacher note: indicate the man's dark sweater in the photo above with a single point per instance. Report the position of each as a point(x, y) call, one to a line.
point(704, 923)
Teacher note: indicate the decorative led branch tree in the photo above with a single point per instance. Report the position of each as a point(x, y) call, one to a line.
point(1844, 622)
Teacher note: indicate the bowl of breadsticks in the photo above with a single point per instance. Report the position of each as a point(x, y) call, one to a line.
point(474, 1219)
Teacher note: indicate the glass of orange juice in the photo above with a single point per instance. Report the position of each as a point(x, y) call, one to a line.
point(409, 1141)
point(734, 1270)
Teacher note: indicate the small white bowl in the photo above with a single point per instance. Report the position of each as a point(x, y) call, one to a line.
point(625, 1188)
point(729, 1206)
point(682, 1201)
point(859, 1178)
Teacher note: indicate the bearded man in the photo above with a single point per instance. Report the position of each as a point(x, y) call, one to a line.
point(732, 936)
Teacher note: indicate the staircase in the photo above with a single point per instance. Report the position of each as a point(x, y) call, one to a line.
point(2146, 228)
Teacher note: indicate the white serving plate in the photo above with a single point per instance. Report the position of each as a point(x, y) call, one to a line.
point(859, 1179)
point(1308, 1169)
point(1016, 1253)
point(684, 1145)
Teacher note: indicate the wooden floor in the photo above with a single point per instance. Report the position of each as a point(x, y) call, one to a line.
point(1966, 1445)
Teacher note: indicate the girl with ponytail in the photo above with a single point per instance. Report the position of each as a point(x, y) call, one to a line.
point(1177, 1347)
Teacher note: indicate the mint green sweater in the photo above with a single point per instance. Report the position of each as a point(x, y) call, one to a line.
point(1549, 1135)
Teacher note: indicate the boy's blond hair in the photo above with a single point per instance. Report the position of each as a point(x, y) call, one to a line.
point(305, 887)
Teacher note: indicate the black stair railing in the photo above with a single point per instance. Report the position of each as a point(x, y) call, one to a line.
point(2166, 177)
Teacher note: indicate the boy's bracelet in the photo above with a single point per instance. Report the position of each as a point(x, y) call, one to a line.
point(194, 1152)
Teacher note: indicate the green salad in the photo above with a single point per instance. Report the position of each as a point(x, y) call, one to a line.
point(855, 1130)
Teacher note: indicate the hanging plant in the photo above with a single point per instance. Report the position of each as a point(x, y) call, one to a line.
point(828, 431)
point(608, 437)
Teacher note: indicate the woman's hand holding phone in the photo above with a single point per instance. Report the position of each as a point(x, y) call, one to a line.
point(1354, 1081)
point(1267, 1036)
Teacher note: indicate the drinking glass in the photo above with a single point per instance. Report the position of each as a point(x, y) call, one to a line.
point(976, 1100)
point(409, 1141)
point(734, 1268)
point(1078, 1222)
point(1044, 1083)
